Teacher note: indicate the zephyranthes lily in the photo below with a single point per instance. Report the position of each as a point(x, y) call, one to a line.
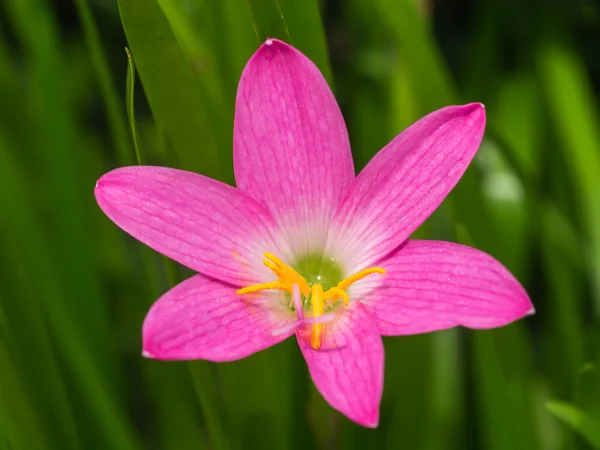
point(303, 246)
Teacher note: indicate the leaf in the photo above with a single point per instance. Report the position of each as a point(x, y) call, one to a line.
point(112, 103)
point(569, 94)
point(587, 390)
point(130, 92)
point(585, 425)
point(173, 92)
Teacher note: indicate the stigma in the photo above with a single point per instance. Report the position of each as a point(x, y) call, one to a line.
point(316, 299)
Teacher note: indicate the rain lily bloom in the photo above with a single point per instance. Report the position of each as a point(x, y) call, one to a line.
point(303, 246)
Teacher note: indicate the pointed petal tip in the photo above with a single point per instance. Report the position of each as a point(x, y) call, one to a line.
point(99, 188)
point(475, 115)
point(146, 354)
point(270, 41)
point(531, 311)
point(475, 109)
point(106, 179)
point(370, 422)
point(271, 48)
point(475, 106)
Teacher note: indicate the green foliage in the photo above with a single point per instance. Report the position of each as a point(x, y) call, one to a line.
point(75, 289)
point(583, 423)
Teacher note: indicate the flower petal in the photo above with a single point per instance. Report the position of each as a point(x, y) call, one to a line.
point(404, 183)
point(291, 147)
point(349, 374)
point(203, 224)
point(202, 318)
point(433, 285)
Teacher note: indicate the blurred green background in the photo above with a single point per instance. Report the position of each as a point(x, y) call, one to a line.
point(74, 289)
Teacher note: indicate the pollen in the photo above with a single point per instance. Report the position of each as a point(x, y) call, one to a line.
point(314, 295)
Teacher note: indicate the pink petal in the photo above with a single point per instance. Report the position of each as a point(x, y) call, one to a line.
point(203, 224)
point(202, 318)
point(291, 148)
point(348, 369)
point(433, 285)
point(404, 183)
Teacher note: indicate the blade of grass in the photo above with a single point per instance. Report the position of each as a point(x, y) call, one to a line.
point(588, 427)
point(196, 46)
point(200, 32)
point(563, 328)
point(112, 103)
point(19, 310)
point(172, 91)
point(504, 407)
point(80, 329)
point(35, 255)
point(130, 94)
point(258, 392)
point(298, 23)
point(422, 58)
point(587, 390)
point(32, 352)
point(268, 20)
point(569, 95)
point(17, 413)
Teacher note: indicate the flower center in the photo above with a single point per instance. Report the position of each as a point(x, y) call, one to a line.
point(318, 287)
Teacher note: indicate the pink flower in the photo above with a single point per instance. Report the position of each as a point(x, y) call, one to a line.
point(305, 247)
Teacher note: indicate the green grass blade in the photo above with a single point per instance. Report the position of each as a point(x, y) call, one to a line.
point(422, 58)
point(268, 20)
point(80, 329)
point(588, 427)
point(258, 392)
point(35, 255)
point(569, 95)
point(22, 326)
point(587, 390)
point(18, 419)
point(194, 41)
point(130, 94)
point(298, 23)
point(563, 328)
point(204, 379)
point(172, 91)
point(112, 102)
point(503, 383)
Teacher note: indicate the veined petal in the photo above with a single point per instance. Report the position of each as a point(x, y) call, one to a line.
point(203, 224)
point(291, 147)
point(433, 285)
point(348, 370)
point(202, 318)
point(404, 183)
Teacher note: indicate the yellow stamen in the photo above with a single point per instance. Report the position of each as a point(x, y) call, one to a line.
point(317, 311)
point(286, 274)
point(332, 294)
point(260, 287)
point(343, 285)
point(288, 277)
point(335, 292)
